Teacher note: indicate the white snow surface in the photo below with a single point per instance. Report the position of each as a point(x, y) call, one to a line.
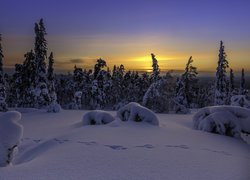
point(220, 118)
point(11, 133)
point(97, 117)
point(57, 146)
point(136, 113)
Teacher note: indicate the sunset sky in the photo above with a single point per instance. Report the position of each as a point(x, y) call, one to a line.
point(127, 31)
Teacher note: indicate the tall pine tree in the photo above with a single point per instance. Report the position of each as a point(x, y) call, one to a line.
point(221, 89)
point(3, 105)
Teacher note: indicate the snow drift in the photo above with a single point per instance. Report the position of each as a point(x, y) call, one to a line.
point(137, 113)
point(97, 117)
point(10, 135)
point(225, 120)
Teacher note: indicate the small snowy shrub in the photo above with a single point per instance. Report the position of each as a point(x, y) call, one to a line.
point(97, 117)
point(225, 120)
point(137, 113)
point(54, 108)
point(240, 100)
point(10, 135)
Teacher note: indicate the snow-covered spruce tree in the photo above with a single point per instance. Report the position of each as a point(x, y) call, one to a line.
point(221, 89)
point(231, 87)
point(242, 90)
point(231, 82)
point(101, 85)
point(98, 66)
point(53, 105)
point(159, 96)
point(42, 93)
point(156, 71)
point(3, 105)
point(117, 86)
point(185, 91)
point(65, 90)
point(24, 78)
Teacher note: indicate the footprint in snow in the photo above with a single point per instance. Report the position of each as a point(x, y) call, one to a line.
point(148, 146)
point(116, 147)
point(37, 140)
point(215, 151)
point(60, 141)
point(87, 143)
point(178, 146)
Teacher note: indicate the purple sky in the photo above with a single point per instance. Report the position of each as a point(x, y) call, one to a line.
point(127, 31)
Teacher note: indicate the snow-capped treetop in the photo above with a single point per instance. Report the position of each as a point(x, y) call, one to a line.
point(98, 66)
point(156, 70)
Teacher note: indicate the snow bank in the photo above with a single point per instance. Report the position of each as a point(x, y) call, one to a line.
point(226, 120)
point(240, 100)
point(97, 117)
point(137, 113)
point(10, 134)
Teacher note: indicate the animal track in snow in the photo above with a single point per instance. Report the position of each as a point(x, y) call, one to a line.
point(87, 143)
point(148, 146)
point(177, 146)
point(116, 147)
point(215, 151)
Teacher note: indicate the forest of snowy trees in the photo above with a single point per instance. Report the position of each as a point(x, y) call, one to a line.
point(35, 85)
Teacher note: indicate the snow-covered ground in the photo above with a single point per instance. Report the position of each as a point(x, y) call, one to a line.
point(57, 146)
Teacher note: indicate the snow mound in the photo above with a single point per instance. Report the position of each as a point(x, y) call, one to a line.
point(54, 108)
point(245, 137)
point(26, 110)
point(97, 117)
point(225, 120)
point(240, 100)
point(137, 113)
point(10, 135)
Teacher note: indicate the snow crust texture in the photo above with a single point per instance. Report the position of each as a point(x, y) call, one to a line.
point(11, 133)
point(137, 113)
point(225, 120)
point(97, 117)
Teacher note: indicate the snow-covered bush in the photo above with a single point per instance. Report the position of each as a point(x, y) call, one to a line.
point(137, 113)
point(225, 120)
point(54, 108)
point(240, 100)
point(180, 109)
point(10, 135)
point(97, 117)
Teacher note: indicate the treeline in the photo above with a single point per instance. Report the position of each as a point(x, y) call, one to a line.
point(35, 85)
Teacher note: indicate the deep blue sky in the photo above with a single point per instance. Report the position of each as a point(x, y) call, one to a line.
point(127, 31)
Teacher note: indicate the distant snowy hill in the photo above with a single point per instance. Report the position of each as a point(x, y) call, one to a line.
point(57, 146)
